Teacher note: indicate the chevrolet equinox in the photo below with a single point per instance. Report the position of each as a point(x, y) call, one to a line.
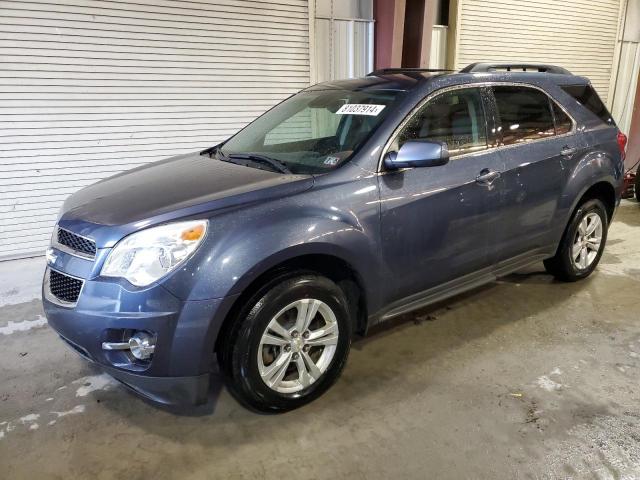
point(345, 205)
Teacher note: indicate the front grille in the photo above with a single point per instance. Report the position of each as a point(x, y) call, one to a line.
point(64, 287)
point(76, 242)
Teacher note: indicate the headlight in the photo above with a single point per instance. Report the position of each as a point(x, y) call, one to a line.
point(148, 255)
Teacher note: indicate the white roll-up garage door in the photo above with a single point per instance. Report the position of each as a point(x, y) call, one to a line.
point(88, 89)
point(579, 35)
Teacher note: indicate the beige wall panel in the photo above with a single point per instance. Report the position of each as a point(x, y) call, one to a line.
point(88, 89)
point(579, 35)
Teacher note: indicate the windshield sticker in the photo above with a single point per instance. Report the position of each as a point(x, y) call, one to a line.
point(360, 109)
point(331, 160)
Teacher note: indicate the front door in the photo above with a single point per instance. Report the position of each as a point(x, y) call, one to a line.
point(437, 223)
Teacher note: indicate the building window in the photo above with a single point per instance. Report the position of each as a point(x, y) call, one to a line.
point(343, 39)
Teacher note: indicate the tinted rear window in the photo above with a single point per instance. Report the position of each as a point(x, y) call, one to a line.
point(588, 98)
point(525, 114)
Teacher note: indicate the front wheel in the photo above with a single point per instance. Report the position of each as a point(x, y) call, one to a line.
point(289, 344)
point(582, 244)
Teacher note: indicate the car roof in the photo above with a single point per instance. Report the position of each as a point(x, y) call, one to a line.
point(406, 79)
point(374, 81)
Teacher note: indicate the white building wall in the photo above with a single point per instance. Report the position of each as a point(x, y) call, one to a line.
point(579, 35)
point(88, 89)
point(627, 66)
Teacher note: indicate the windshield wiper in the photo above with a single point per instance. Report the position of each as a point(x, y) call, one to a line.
point(255, 157)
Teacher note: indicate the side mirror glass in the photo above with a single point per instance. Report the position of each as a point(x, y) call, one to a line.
point(417, 153)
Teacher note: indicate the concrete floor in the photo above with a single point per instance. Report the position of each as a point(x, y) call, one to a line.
point(524, 378)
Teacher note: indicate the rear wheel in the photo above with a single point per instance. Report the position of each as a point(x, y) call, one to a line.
point(289, 345)
point(582, 244)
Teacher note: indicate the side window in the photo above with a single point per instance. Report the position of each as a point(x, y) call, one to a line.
point(588, 98)
point(525, 114)
point(563, 122)
point(454, 117)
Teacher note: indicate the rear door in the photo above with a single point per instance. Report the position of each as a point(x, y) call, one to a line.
point(538, 145)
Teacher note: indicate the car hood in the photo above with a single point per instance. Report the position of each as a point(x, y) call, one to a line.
point(173, 188)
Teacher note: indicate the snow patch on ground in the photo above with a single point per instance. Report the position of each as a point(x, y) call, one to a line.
point(32, 417)
point(30, 422)
point(547, 383)
point(74, 411)
point(92, 383)
point(21, 280)
point(13, 327)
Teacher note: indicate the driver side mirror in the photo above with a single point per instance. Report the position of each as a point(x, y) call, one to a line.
point(417, 153)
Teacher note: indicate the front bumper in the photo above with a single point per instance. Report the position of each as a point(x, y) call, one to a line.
point(179, 371)
point(172, 391)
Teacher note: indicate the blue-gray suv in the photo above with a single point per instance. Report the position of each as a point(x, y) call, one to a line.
point(347, 204)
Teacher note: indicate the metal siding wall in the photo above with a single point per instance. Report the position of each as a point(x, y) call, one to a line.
point(577, 34)
point(626, 84)
point(88, 89)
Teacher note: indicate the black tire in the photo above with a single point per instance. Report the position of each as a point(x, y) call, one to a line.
point(637, 185)
point(238, 356)
point(561, 265)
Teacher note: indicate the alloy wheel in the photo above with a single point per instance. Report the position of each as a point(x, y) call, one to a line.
point(298, 345)
point(587, 241)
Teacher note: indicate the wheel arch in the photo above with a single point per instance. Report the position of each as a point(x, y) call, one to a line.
point(601, 190)
point(330, 265)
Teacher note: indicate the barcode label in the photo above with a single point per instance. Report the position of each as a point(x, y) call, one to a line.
point(360, 109)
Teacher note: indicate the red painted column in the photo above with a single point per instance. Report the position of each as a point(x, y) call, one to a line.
point(389, 30)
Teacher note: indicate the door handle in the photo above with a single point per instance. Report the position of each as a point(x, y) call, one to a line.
point(566, 151)
point(487, 177)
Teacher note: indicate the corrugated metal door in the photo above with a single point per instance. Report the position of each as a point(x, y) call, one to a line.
point(579, 35)
point(88, 89)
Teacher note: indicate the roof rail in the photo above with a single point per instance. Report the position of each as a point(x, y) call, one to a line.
point(386, 71)
point(510, 67)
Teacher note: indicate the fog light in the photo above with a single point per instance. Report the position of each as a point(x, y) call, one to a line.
point(142, 345)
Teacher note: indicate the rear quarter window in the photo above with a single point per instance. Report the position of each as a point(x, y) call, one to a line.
point(589, 99)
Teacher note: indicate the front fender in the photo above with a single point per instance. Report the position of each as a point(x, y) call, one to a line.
point(237, 252)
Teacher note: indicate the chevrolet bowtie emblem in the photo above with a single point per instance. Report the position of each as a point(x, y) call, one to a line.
point(51, 256)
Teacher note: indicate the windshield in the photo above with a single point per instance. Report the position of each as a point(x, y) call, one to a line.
point(311, 132)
